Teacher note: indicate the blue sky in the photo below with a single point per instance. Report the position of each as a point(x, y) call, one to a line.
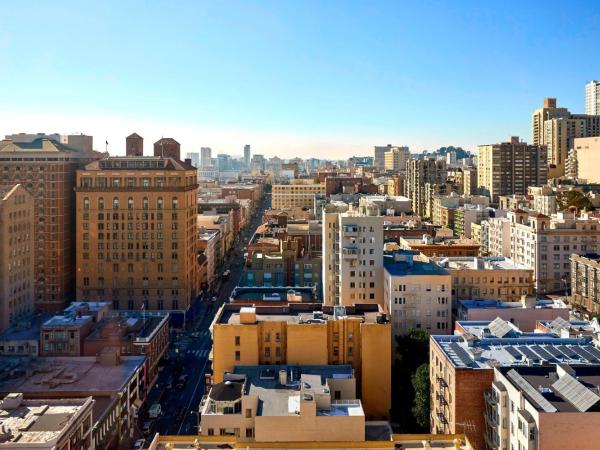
point(293, 78)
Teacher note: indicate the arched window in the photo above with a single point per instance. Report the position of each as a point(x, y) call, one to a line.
point(159, 203)
point(86, 203)
point(175, 203)
point(145, 203)
point(101, 203)
point(130, 203)
point(116, 203)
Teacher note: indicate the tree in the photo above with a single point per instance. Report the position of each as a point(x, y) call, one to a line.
point(574, 198)
point(420, 383)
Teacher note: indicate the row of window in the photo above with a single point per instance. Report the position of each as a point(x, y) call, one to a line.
point(116, 203)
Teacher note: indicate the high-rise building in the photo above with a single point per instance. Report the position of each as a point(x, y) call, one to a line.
point(16, 254)
point(548, 111)
point(509, 168)
point(194, 157)
point(379, 155)
point(352, 255)
point(138, 239)
point(134, 145)
point(396, 158)
point(167, 148)
point(223, 162)
point(247, 156)
point(205, 157)
point(424, 178)
point(46, 169)
point(592, 98)
point(299, 194)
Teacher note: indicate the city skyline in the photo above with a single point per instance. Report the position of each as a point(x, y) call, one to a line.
point(332, 79)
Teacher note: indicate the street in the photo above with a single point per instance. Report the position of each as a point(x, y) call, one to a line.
point(189, 352)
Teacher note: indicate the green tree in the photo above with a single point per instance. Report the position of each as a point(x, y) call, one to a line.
point(420, 383)
point(573, 198)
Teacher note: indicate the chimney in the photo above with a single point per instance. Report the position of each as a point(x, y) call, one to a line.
point(188, 161)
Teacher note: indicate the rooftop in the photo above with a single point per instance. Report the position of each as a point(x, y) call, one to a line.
point(557, 389)
point(276, 399)
point(300, 313)
point(69, 375)
point(251, 294)
point(485, 346)
point(31, 422)
point(499, 304)
point(71, 320)
point(478, 263)
point(408, 262)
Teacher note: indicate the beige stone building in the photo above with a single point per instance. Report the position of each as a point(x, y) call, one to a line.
point(307, 335)
point(138, 236)
point(585, 284)
point(46, 168)
point(299, 194)
point(16, 254)
point(352, 255)
point(424, 179)
point(416, 293)
point(46, 424)
point(395, 158)
point(585, 159)
point(508, 168)
point(487, 278)
point(285, 403)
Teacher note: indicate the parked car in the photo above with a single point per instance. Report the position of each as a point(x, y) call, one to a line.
point(147, 426)
point(155, 411)
point(182, 381)
point(214, 299)
point(139, 444)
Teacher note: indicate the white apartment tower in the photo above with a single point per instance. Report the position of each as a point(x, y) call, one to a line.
point(592, 98)
point(247, 156)
point(352, 255)
point(205, 157)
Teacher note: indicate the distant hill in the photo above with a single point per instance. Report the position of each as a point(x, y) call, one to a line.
point(460, 152)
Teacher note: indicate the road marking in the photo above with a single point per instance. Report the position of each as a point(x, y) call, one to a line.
point(187, 409)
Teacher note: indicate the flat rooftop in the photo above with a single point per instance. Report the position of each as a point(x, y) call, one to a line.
point(28, 331)
point(475, 352)
point(275, 294)
point(479, 263)
point(90, 306)
point(37, 422)
point(67, 375)
point(499, 304)
point(276, 399)
point(299, 313)
point(410, 264)
point(70, 320)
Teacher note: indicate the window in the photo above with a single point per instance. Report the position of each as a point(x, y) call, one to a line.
point(130, 203)
point(237, 340)
point(175, 203)
point(101, 203)
point(86, 203)
point(115, 203)
point(237, 355)
point(145, 203)
point(248, 432)
point(248, 413)
point(211, 432)
point(159, 203)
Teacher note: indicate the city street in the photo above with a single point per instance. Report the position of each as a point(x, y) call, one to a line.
point(189, 353)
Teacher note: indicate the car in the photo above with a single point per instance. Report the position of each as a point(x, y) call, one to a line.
point(139, 444)
point(147, 426)
point(182, 381)
point(214, 299)
point(169, 383)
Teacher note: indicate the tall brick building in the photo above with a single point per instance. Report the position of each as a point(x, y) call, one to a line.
point(46, 168)
point(134, 145)
point(138, 236)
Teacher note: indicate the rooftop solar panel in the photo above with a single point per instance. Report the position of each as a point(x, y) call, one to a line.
point(531, 392)
point(528, 352)
point(499, 327)
point(575, 392)
point(461, 354)
point(555, 352)
point(594, 351)
point(568, 352)
point(584, 354)
point(513, 352)
point(543, 353)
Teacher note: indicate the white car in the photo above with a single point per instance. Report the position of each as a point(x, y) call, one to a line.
point(139, 444)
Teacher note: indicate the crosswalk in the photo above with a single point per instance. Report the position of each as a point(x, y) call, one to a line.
point(201, 353)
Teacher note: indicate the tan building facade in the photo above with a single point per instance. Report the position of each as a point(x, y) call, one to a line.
point(585, 159)
point(138, 239)
point(16, 254)
point(396, 158)
point(46, 169)
point(309, 334)
point(296, 195)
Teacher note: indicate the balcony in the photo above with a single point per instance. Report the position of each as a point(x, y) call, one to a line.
point(350, 252)
point(441, 382)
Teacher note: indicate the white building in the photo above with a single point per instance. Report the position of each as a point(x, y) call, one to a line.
point(498, 236)
point(352, 255)
point(417, 293)
point(592, 98)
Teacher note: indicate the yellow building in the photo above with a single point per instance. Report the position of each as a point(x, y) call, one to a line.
point(309, 334)
point(300, 194)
